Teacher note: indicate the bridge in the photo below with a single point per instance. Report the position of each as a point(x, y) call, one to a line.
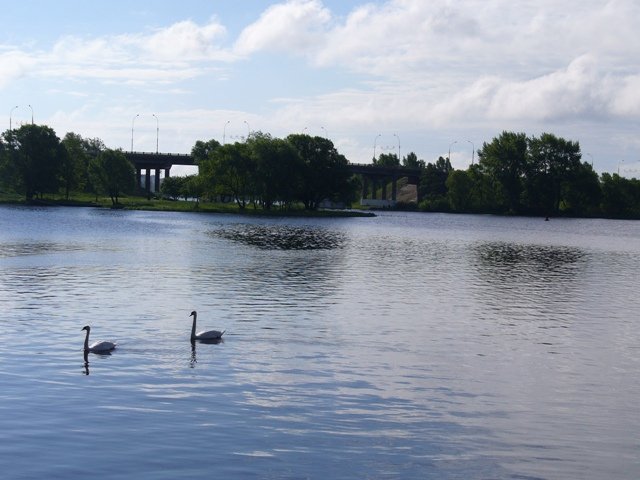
point(148, 162)
point(374, 177)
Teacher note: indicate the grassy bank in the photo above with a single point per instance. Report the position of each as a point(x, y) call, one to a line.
point(162, 205)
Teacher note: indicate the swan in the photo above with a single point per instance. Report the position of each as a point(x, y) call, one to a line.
point(205, 335)
point(96, 347)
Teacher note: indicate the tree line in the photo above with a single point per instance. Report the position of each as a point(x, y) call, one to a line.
point(515, 174)
point(267, 172)
point(521, 175)
point(264, 171)
point(34, 162)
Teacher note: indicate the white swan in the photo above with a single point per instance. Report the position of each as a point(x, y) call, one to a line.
point(205, 335)
point(96, 347)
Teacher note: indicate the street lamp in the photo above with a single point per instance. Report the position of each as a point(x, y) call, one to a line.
point(326, 135)
point(132, 123)
point(374, 146)
point(224, 132)
point(157, 130)
point(621, 161)
point(248, 129)
point(10, 114)
point(473, 151)
point(450, 145)
point(591, 159)
point(31, 113)
point(396, 135)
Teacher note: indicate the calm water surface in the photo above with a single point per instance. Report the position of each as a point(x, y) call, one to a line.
point(402, 346)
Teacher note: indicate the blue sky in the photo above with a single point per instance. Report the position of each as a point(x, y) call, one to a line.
point(408, 75)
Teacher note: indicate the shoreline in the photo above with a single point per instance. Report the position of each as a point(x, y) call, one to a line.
point(154, 205)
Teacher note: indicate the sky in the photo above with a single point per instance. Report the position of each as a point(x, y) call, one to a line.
point(395, 76)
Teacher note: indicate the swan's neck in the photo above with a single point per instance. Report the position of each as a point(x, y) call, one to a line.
point(86, 341)
point(193, 328)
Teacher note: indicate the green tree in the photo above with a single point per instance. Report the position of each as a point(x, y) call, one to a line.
point(620, 196)
point(483, 193)
point(201, 151)
point(433, 180)
point(582, 195)
point(552, 165)
point(113, 174)
point(411, 161)
point(192, 187)
point(228, 171)
point(278, 169)
point(74, 163)
point(460, 190)
point(387, 160)
point(32, 160)
point(505, 161)
point(325, 172)
point(172, 187)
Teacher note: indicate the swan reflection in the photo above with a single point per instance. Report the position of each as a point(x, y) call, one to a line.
point(85, 354)
point(194, 358)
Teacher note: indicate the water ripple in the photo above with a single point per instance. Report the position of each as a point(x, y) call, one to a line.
point(400, 346)
point(282, 237)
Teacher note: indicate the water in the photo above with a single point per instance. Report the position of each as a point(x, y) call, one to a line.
point(401, 346)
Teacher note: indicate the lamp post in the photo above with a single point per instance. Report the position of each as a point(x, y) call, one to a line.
point(10, 114)
point(621, 161)
point(374, 146)
point(31, 113)
point(157, 130)
point(591, 159)
point(396, 135)
point(248, 129)
point(326, 134)
point(450, 145)
point(224, 132)
point(473, 151)
point(133, 121)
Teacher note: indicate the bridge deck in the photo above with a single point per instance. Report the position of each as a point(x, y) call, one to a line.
point(166, 160)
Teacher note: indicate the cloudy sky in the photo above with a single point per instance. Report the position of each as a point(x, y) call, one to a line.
point(426, 76)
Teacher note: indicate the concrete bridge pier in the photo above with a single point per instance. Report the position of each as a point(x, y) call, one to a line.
point(157, 181)
point(147, 177)
point(365, 187)
point(376, 182)
point(394, 188)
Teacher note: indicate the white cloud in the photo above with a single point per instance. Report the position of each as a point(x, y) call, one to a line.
point(570, 92)
point(296, 26)
point(435, 66)
point(627, 100)
point(13, 65)
point(178, 52)
point(185, 41)
point(442, 63)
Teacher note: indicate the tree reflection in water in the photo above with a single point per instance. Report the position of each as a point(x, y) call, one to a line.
point(283, 237)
